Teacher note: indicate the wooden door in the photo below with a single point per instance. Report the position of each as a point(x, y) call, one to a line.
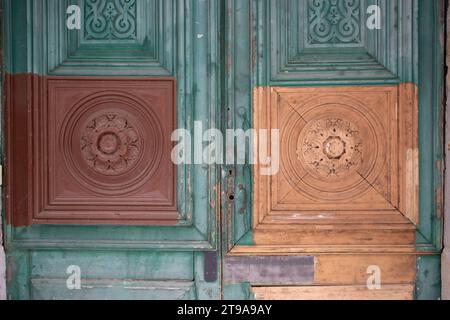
point(346, 105)
point(92, 191)
point(351, 111)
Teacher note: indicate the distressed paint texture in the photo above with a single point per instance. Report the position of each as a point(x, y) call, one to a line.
point(2, 253)
point(269, 270)
point(446, 253)
point(188, 268)
point(135, 262)
point(428, 282)
point(276, 60)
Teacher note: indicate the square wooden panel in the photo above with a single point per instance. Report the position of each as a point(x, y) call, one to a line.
point(348, 156)
point(313, 40)
point(103, 152)
point(132, 37)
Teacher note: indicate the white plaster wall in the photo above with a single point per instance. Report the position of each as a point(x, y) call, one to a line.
point(2, 274)
point(2, 266)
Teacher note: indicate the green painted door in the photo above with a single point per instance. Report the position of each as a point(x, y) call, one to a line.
point(106, 199)
point(350, 92)
point(94, 91)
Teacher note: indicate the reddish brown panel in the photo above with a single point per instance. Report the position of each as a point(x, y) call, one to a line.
point(102, 151)
point(18, 147)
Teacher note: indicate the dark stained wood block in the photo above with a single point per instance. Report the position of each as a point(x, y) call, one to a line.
point(262, 270)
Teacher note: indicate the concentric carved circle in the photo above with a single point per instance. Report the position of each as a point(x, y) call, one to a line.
point(332, 147)
point(110, 144)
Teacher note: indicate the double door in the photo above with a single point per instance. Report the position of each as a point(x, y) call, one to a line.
point(123, 181)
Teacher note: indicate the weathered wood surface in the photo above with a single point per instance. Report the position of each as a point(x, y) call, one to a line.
point(348, 167)
point(352, 269)
point(446, 253)
point(387, 292)
point(269, 270)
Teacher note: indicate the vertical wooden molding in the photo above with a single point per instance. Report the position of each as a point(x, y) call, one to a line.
point(17, 148)
point(2, 253)
point(409, 151)
point(446, 254)
point(260, 109)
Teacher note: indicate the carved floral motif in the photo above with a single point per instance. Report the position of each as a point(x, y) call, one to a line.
point(332, 147)
point(110, 145)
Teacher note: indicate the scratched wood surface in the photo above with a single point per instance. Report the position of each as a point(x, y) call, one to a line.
point(387, 292)
point(79, 198)
point(348, 166)
point(269, 270)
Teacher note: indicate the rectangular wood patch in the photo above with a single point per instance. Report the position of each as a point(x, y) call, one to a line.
point(270, 270)
point(387, 292)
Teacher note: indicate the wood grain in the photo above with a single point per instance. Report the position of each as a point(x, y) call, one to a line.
point(348, 166)
point(351, 269)
point(387, 292)
point(269, 270)
point(91, 150)
point(409, 151)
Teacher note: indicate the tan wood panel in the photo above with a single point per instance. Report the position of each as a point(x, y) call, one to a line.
point(334, 237)
point(324, 249)
point(387, 292)
point(353, 269)
point(347, 167)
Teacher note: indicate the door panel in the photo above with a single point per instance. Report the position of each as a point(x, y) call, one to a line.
point(346, 164)
point(90, 183)
point(329, 41)
point(104, 154)
point(90, 115)
point(352, 106)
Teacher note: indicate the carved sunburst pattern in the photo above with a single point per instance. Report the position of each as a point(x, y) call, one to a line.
point(110, 144)
point(332, 147)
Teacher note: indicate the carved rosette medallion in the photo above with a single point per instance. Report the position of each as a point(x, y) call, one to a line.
point(331, 147)
point(110, 144)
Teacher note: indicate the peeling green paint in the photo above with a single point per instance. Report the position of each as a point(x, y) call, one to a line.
point(224, 82)
point(166, 259)
point(241, 291)
point(431, 66)
point(428, 283)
